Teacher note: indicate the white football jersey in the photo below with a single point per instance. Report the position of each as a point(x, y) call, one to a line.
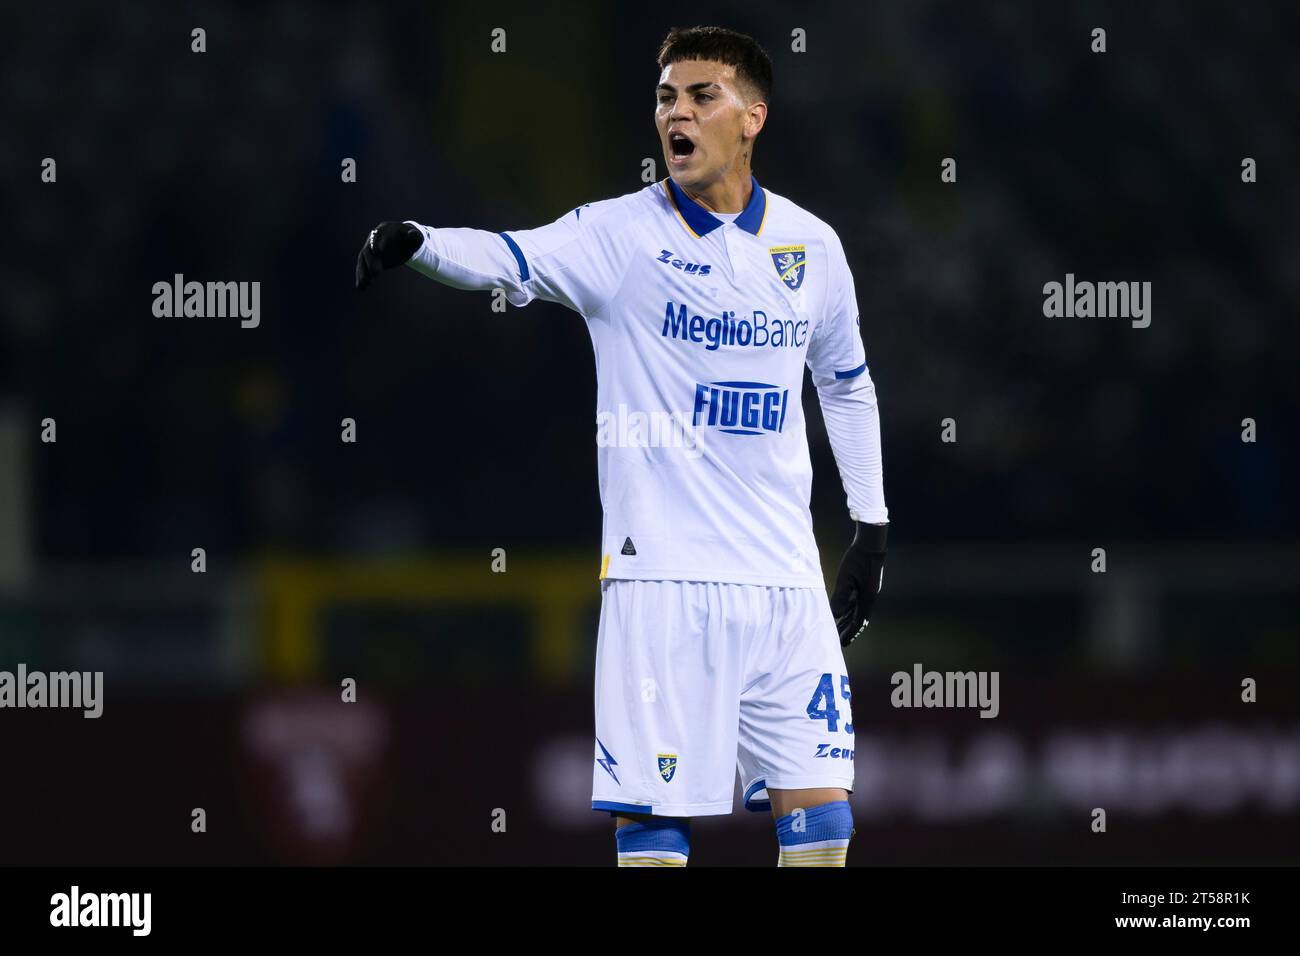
point(701, 330)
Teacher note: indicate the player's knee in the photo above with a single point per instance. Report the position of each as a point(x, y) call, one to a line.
point(785, 802)
point(653, 841)
point(623, 819)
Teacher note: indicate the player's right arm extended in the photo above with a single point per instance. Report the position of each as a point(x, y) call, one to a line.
point(576, 261)
point(472, 259)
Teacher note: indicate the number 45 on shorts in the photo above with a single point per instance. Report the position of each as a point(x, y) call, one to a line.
point(825, 692)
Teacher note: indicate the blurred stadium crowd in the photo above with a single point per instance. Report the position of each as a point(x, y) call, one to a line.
point(225, 165)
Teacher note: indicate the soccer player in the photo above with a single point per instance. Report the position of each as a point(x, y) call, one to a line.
point(705, 295)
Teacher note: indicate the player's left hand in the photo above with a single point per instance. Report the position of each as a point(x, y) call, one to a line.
point(862, 572)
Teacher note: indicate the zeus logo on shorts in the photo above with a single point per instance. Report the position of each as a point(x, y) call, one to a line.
point(834, 753)
point(741, 408)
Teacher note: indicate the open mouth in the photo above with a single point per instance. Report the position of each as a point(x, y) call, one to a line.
point(680, 146)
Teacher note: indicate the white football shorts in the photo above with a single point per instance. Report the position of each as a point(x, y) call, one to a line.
point(692, 677)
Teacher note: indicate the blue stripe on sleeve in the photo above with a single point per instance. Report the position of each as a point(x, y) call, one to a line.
point(853, 372)
point(519, 257)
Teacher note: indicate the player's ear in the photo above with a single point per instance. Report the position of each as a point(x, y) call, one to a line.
point(755, 117)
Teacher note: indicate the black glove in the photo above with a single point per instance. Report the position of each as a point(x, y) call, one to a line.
point(388, 246)
point(861, 573)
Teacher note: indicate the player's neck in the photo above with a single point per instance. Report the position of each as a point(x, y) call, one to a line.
point(729, 194)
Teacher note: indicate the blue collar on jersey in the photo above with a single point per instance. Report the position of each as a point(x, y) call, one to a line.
point(701, 222)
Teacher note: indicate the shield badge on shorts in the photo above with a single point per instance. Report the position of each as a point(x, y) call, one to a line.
point(667, 766)
point(790, 262)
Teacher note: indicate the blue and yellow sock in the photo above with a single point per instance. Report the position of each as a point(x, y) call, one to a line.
point(823, 837)
point(656, 842)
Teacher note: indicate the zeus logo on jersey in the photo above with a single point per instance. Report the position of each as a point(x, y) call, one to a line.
point(690, 268)
point(741, 408)
point(757, 331)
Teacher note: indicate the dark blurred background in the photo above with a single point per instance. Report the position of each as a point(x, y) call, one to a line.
point(373, 560)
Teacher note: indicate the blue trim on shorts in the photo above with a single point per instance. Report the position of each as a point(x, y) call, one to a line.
point(617, 808)
point(758, 806)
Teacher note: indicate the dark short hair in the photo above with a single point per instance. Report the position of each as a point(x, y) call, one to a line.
point(753, 65)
